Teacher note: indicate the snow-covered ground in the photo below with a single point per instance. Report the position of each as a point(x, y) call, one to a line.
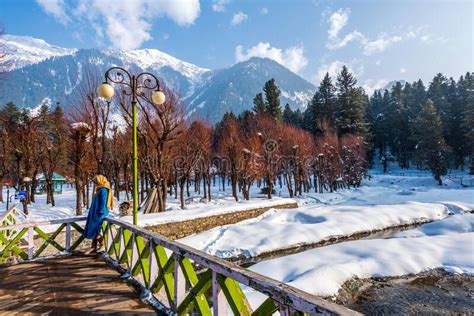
point(447, 244)
point(386, 201)
point(221, 203)
point(310, 224)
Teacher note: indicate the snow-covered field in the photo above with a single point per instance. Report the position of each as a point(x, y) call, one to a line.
point(309, 224)
point(447, 244)
point(386, 201)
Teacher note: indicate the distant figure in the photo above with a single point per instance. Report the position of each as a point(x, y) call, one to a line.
point(102, 202)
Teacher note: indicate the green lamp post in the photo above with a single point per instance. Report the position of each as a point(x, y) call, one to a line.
point(133, 84)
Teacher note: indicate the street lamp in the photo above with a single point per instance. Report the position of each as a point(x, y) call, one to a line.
point(134, 83)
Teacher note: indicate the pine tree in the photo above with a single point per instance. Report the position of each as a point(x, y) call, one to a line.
point(468, 119)
point(12, 113)
point(272, 98)
point(431, 149)
point(321, 109)
point(399, 125)
point(418, 96)
point(437, 92)
point(288, 115)
point(259, 104)
point(352, 103)
point(378, 120)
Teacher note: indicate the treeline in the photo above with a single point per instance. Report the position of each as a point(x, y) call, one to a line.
point(175, 157)
point(427, 127)
point(324, 148)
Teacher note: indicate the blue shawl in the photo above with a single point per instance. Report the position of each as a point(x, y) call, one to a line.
point(97, 212)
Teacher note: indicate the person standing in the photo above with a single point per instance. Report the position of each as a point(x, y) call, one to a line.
point(102, 203)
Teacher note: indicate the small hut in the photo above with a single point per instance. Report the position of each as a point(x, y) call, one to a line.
point(58, 181)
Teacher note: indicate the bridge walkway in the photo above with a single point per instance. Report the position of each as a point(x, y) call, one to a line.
point(73, 285)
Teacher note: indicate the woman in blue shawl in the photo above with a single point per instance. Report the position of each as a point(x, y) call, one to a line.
point(102, 202)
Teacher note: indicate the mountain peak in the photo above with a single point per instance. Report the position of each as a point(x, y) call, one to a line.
point(27, 50)
point(149, 58)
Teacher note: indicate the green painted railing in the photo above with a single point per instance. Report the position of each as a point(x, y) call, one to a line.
point(179, 279)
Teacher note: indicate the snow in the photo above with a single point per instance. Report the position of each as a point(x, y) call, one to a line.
point(25, 50)
point(383, 202)
point(153, 58)
point(322, 271)
point(459, 223)
point(308, 225)
point(217, 207)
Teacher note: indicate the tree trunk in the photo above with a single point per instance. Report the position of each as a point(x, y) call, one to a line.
point(1, 189)
point(209, 187)
point(181, 191)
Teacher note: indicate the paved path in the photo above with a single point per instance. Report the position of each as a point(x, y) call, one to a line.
point(77, 285)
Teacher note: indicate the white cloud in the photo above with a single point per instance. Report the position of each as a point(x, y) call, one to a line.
point(238, 18)
point(292, 58)
point(334, 68)
point(337, 21)
point(219, 5)
point(337, 43)
point(264, 11)
point(56, 8)
point(380, 44)
point(378, 62)
point(403, 70)
point(127, 24)
point(371, 85)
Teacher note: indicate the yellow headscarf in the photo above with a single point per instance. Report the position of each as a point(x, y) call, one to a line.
point(102, 182)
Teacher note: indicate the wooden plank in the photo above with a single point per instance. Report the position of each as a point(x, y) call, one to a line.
point(268, 307)
point(44, 223)
point(31, 244)
point(12, 244)
point(179, 283)
point(165, 276)
point(48, 240)
point(234, 295)
point(219, 303)
point(68, 237)
point(67, 286)
point(192, 279)
point(197, 291)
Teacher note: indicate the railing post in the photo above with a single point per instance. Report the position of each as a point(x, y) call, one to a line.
point(219, 303)
point(284, 310)
point(179, 283)
point(31, 243)
point(68, 237)
point(150, 262)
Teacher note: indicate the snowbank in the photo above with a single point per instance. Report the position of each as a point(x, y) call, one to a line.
point(322, 271)
point(451, 225)
point(280, 229)
point(222, 207)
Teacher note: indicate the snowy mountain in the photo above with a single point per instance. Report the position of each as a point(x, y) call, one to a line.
point(41, 72)
point(233, 89)
point(24, 50)
point(155, 60)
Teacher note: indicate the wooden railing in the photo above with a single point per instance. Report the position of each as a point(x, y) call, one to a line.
point(29, 240)
point(12, 216)
point(179, 279)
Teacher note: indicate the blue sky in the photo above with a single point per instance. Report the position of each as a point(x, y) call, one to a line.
point(379, 40)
